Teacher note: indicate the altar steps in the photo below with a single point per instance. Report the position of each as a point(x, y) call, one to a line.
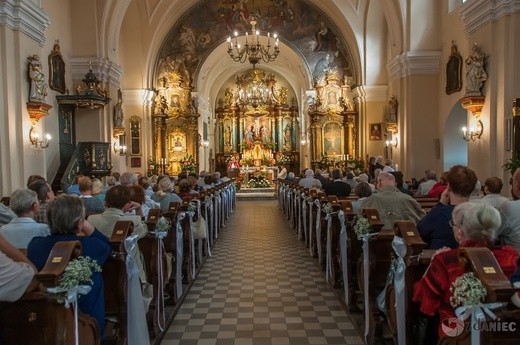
point(256, 194)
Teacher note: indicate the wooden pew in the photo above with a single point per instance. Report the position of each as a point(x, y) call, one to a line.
point(380, 255)
point(115, 280)
point(427, 203)
point(483, 263)
point(416, 260)
point(37, 318)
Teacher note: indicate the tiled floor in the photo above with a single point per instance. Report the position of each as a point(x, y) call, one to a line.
point(260, 287)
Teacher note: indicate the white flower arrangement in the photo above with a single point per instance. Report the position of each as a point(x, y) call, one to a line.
point(258, 181)
point(78, 272)
point(192, 207)
point(362, 227)
point(163, 225)
point(467, 290)
point(327, 208)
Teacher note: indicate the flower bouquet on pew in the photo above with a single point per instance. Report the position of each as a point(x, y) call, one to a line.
point(162, 227)
point(467, 290)
point(362, 227)
point(77, 274)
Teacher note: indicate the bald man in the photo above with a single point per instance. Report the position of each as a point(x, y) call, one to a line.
point(391, 203)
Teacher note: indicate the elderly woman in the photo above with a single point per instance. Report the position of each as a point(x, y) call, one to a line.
point(167, 187)
point(67, 222)
point(474, 225)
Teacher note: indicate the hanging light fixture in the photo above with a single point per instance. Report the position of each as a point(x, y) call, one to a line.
point(255, 90)
point(252, 49)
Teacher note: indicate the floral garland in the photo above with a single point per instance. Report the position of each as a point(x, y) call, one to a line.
point(285, 159)
point(362, 227)
point(78, 272)
point(327, 208)
point(258, 181)
point(467, 290)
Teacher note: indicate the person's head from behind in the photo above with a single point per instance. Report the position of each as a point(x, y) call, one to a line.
point(117, 197)
point(309, 173)
point(461, 180)
point(24, 202)
point(193, 181)
point(97, 186)
point(385, 180)
point(379, 160)
point(128, 179)
point(184, 186)
point(111, 181)
point(137, 194)
point(43, 190)
point(349, 176)
point(444, 178)
point(336, 174)
point(493, 185)
point(476, 221)
point(430, 175)
point(143, 182)
point(208, 180)
point(290, 176)
point(398, 178)
point(166, 184)
point(85, 185)
point(65, 214)
point(34, 178)
point(363, 190)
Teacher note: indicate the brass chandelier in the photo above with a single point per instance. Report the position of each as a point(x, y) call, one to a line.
point(253, 50)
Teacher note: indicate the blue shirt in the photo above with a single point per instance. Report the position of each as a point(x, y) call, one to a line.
point(435, 227)
point(96, 247)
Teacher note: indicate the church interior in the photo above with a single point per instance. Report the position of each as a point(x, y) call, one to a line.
point(158, 87)
point(169, 89)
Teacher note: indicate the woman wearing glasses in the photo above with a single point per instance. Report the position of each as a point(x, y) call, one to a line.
point(474, 225)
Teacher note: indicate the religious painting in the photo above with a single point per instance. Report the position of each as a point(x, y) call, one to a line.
point(57, 70)
point(135, 162)
point(287, 134)
point(454, 71)
point(135, 135)
point(332, 138)
point(375, 131)
point(177, 142)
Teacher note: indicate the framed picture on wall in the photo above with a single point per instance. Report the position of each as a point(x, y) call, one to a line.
point(57, 70)
point(454, 71)
point(135, 162)
point(375, 131)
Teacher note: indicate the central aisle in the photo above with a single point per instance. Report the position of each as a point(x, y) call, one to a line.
point(260, 287)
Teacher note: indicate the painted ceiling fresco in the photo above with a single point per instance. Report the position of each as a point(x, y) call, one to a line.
point(209, 23)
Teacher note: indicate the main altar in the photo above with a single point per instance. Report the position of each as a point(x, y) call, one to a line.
point(257, 125)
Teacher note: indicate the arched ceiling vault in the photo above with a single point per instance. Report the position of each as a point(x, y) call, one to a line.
point(161, 15)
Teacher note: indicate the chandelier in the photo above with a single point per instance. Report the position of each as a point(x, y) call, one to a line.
point(255, 89)
point(253, 49)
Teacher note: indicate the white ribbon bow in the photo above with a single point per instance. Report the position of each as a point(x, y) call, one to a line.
point(478, 315)
point(366, 276)
point(399, 289)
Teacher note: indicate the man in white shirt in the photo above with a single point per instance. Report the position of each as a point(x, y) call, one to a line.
point(426, 186)
point(21, 230)
point(309, 181)
point(492, 189)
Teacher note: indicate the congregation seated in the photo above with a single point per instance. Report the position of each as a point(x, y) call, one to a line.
point(391, 203)
point(337, 187)
point(128, 179)
point(424, 188)
point(474, 225)
point(509, 232)
point(349, 178)
point(67, 222)
point(45, 196)
point(17, 273)
point(434, 228)
point(22, 229)
point(92, 205)
point(97, 189)
point(166, 193)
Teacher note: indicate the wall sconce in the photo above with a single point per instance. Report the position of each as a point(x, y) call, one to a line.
point(119, 146)
point(40, 141)
point(392, 143)
point(474, 132)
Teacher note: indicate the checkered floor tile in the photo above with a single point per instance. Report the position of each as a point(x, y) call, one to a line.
point(260, 287)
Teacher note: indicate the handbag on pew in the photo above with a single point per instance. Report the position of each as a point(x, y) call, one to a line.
point(199, 228)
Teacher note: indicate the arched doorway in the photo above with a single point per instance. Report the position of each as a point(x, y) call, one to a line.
point(455, 148)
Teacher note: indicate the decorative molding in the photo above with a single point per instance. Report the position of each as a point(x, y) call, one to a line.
point(136, 97)
point(106, 70)
point(414, 63)
point(25, 16)
point(476, 14)
point(372, 93)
